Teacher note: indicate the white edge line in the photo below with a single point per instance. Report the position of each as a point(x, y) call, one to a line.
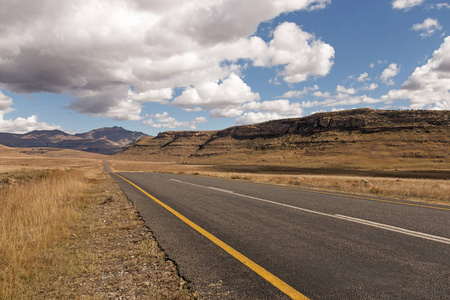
point(336, 216)
point(220, 190)
point(397, 229)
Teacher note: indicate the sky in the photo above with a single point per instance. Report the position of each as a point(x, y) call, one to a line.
point(160, 65)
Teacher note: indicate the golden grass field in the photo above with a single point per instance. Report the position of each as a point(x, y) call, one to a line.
point(37, 211)
point(67, 231)
point(13, 159)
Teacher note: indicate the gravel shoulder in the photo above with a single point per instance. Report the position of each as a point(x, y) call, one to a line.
point(111, 254)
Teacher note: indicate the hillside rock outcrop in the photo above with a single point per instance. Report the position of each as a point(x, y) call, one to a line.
point(371, 129)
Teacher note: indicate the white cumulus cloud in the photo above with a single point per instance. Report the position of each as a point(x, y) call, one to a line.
point(406, 4)
point(227, 112)
point(258, 117)
point(429, 85)
point(19, 125)
point(24, 125)
point(5, 104)
point(364, 76)
point(301, 54)
point(163, 120)
point(281, 106)
point(341, 99)
point(300, 93)
point(427, 27)
point(440, 5)
point(94, 51)
point(125, 110)
point(371, 87)
point(214, 95)
point(158, 95)
point(341, 89)
point(257, 112)
point(388, 73)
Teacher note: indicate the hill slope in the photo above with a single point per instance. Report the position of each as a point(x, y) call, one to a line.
point(103, 140)
point(361, 138)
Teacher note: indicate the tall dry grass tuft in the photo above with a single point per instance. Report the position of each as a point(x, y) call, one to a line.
point(35, 214)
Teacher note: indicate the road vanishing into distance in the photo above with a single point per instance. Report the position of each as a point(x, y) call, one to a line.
point(239, 240)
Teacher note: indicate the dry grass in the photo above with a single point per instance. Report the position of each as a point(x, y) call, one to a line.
point(143, 166)
point(14, 164)
point(15, 160)
point(428, 190)
point(67, 231)
point(35, 214)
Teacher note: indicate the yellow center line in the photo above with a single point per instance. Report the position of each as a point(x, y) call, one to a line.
point(274, 280)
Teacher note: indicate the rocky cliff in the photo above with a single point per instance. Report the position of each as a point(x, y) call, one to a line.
point(361, 120)
point(350, 134)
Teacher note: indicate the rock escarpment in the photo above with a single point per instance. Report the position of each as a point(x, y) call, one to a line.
point(366, 132)
point(362, 120)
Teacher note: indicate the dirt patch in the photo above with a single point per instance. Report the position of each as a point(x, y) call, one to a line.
point(121, 259)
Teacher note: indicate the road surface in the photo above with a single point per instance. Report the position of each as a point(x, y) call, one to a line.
point(291, 242)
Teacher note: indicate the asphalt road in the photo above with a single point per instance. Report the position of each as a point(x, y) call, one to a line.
point(322, 245)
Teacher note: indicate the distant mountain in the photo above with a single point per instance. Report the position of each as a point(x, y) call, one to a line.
point(106, 140)
point(115, 134)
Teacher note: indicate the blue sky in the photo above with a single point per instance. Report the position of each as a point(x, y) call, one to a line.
point(154, 66)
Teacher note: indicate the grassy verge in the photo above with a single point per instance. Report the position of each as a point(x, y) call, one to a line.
point(36, 211)
point(426, 190)
point(65, 236)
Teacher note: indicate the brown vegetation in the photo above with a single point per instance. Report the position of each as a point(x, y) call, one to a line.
point(21, 159)
point(67, 231)
point(428, 190)
point(37, 210)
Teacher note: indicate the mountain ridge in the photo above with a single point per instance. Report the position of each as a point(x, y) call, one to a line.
point(105, 140)
point(337, 138)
